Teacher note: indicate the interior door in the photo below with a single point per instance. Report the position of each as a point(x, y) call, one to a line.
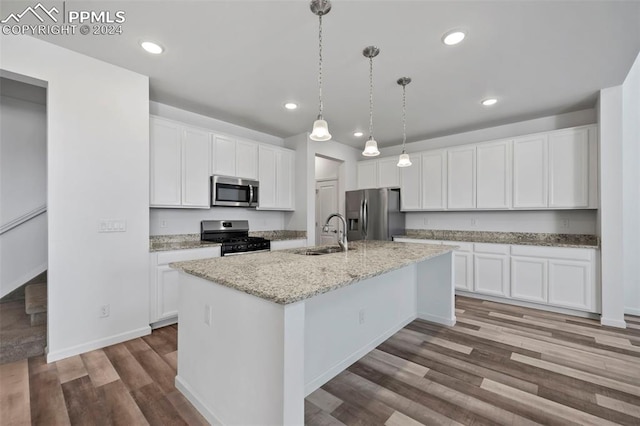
point(326, 203)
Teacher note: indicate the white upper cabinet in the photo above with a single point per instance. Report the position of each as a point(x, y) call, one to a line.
point(388, 173)
point(276, 171)
point(434, 180)
point(195, 168)
point(246, 159)
point(569, 168)
point(179, 165)
point(165, 165)
point(461, 177)
point(493, 175)
point(367, 174)
point(530, 172)
point(231, 157)
point(411, 186)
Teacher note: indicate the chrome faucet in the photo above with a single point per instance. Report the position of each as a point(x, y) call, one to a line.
point(342, 238)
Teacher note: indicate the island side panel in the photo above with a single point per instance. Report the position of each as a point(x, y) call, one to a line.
point(345, 324)
point(436, 292)
point(246, 366)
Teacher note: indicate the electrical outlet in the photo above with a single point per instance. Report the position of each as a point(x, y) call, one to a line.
point(474, 222)
point(565, 223)
point(207, 314)
point(105, 311)
point(163, 224)
point(427, 221)
point(361, 317)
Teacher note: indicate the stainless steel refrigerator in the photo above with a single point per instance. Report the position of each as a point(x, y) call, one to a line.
point(374, 214)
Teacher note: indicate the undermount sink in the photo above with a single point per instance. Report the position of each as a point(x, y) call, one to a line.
point(321, 250)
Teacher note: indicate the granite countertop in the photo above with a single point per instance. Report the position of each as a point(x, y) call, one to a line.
point(191, 241)
point(518, 238)
point(286, 277)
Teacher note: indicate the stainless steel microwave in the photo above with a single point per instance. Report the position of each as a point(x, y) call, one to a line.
point(233, 192)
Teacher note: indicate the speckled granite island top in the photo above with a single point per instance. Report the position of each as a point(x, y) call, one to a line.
point(286, 276)
point(517, 238)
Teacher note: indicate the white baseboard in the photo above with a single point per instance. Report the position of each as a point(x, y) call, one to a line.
point(437, 319)
point(191, 396)
point(613, 322)
point(164, 323)
point(355, 356)
point(632, 311)
point(97, 344)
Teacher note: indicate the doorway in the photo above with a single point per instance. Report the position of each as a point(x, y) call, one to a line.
point(327, 176)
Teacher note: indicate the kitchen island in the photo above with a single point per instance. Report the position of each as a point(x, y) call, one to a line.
point(259, 332)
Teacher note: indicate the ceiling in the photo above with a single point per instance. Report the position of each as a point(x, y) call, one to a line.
point(240, 61)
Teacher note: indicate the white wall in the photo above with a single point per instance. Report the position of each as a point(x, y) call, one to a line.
point(304, 165)
point(23, 183)
point(631, 188)
point(187, 221)
point(553, 122)
point(97, 168)
point(580, 221)
point(611, 186)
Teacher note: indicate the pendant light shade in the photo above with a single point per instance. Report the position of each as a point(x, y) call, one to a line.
point(371, 147)
point(320, 127)
point(320, 130)
point(404, 160)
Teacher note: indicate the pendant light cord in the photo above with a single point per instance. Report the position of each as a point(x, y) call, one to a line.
point(320, 64)
point(404, 116)
point(371, 97)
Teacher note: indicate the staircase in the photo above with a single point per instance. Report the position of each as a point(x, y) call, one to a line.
point(23, 321)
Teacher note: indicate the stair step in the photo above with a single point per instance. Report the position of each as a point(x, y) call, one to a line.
point(35, 298)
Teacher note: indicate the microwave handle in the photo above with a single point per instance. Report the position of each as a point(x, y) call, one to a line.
point(250, 194)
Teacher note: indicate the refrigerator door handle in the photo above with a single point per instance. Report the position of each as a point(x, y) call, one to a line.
point(365, 217)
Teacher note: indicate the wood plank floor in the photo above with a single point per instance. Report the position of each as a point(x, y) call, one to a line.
point(500, 364)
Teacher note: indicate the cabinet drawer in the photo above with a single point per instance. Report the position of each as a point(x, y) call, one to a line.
point(182, 255)
point(554, 252)
point(491, 248)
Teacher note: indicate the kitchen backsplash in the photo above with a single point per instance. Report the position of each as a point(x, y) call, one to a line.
point(187, 221)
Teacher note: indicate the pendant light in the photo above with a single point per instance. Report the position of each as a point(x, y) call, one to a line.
point(320, 127)
point(404, 160)
point(371, 147)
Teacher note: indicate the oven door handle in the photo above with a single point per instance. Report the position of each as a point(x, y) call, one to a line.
point(250, 195)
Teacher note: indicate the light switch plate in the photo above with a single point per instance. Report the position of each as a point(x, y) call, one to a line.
point(111, 225)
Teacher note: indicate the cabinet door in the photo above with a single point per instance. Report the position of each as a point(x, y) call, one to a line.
point(463, 271)
point(491, 274)
point(529, 279)
point(167, 292)
point(461, 178)
point(569, 168)
point(165, 163)
point(223, 161)
point(388, 173)
point(493, 175)
point(571, 284)
point(434, 180)
point(410, 187)
point(530, 172)
point(284, 180)
point(246, 159)
point(195, 168)
point(367, 174)
point(267, 177)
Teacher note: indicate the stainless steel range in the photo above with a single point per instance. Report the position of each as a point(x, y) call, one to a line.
point(233, 235)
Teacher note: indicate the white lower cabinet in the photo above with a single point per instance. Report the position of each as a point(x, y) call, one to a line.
point(163, 281)
point(491, 269)
point(564, 277)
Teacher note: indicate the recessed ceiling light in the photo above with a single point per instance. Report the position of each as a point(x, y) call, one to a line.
point(152, 47)
point(291, 105)
point(358, 134)
point(489, 101)
point(453, 37)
